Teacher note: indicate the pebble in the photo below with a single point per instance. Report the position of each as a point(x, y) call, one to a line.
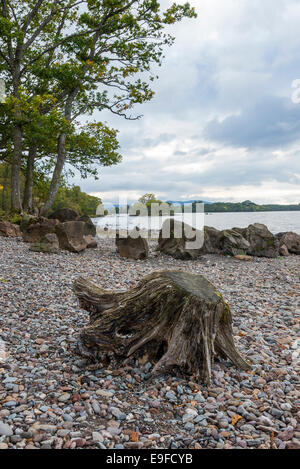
point(50, 399)
point(64, 397)
point(117, 413)
point(97, 437)
point(5, 430)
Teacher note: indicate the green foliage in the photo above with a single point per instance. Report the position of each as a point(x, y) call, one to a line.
point(149, 199)
point(75, 199)
point(71, 197)
point(90, 146)
point(15, 218)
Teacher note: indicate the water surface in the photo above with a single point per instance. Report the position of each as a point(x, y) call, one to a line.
point(275, 221)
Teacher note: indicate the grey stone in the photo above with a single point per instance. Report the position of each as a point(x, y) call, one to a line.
point(97, 437)
point(5, 430)
point(117, 413)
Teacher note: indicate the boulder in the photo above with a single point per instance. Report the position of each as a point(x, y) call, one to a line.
point(91, 242)
point(283, 251)
point(262, 242)
point(9, 230)
point(232, 243)
point(71, 236)
point(64, 215)
point(28, 220)
point(291, 241)
point(48, 244)
point(38, 229)
point(279, 235)
point(211, 236)
point(176, 239)
point(242, 231)
point(90, 228)
point(132, 248)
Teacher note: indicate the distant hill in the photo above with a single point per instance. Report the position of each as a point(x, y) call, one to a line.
point(219, 207)
point(183, 202)
point(248, 206)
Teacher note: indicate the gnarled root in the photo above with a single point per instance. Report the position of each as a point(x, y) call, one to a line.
point(177, 318)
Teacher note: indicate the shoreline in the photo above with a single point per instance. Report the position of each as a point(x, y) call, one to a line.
point(275, 221)
point(49, 399)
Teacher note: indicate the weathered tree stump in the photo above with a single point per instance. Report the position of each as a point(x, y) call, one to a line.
point(179, 319)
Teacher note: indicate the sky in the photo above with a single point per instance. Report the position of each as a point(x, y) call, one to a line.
point(224, 124)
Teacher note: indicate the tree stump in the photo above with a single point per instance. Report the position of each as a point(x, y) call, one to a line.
point(179, 319)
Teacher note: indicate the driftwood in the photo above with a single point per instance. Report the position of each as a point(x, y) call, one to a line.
point(179, 319)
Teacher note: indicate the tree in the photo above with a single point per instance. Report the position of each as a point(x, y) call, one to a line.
point(87, 145)
point(74, 198)
point(67, 196)
point(154, 206)
point(98, 63)
point(148, 199)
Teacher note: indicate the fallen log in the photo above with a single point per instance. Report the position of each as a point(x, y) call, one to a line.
point(179, 319)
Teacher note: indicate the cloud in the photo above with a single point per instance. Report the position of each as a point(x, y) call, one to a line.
point(273, 122)
point(222, 124)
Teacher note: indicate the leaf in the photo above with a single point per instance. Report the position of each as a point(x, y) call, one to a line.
point(235, 419)
point(134, 437)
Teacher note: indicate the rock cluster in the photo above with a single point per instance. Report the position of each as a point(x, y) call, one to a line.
point(255, 240)
point(64, 229)
point(76, 233)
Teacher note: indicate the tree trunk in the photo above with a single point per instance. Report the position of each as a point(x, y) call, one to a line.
point(17, 134)
point(55, 182)
point(16, 169)
point(61, 157)
point(27, 199)
point(4, 204)
point(177, 318)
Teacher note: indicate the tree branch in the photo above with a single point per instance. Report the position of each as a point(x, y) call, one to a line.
point(80, 34)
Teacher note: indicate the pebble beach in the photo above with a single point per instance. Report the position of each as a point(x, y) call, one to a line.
point(50, 398)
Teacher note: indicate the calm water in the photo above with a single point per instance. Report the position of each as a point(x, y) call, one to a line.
point(275, 221)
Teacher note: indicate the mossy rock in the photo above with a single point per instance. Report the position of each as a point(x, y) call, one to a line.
point(48, 244)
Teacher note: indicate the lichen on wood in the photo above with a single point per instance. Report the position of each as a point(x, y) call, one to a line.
point(179, 319)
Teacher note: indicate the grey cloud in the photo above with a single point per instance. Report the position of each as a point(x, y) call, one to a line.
point(227, 173)
point(270, 123)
